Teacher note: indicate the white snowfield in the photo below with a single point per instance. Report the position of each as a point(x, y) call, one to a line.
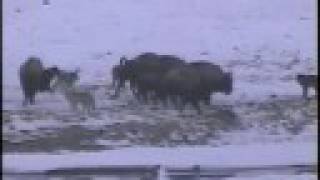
point(81, 33)
point(264, 43)
point(227, 156)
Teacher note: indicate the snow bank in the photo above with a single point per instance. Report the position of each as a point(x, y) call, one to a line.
point(227, 156)
point(276, 177)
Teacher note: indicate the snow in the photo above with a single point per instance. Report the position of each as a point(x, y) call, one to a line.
point(276, 177)
point(59, 33)
point(258, 136)
point(248, 155)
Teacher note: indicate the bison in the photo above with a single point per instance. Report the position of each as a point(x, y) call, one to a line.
point(143, 72)
point(149, 71)
point(183, 82)
point(168, 77)
point(34, 78)
point(194, 82)
point(213, 79)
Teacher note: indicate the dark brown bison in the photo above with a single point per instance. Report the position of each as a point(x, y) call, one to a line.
point(183, 83)
point(164, 77)
point(150, 69)
point(195, 82)
point(213, 79)
point(34, 78)
point(143, 72)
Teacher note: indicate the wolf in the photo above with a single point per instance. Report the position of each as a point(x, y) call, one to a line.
point(306, 82)
point(74, 94)
point(76, 97)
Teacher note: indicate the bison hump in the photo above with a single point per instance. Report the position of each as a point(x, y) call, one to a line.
point(31, 71)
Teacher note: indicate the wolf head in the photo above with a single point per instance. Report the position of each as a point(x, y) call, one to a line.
point(65, 79)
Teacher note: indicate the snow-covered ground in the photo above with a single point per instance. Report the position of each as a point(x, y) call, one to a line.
point(227, 156)
point(232, 156)
point(264, 43)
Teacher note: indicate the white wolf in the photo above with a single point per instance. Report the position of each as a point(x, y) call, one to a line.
point(75, 95)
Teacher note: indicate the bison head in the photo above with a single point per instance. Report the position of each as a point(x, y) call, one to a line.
point(123, 60)
point(47, 77)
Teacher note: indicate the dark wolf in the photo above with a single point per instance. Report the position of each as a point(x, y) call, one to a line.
point(306, 82)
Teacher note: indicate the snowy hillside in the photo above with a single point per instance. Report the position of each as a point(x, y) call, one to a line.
point(81, 33)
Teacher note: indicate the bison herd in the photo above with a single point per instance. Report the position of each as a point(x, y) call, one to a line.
point(161, 78)
point(152, 77)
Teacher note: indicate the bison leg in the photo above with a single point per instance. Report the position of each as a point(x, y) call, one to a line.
point(74, 106)
point(139, 96)
point(93, 105)
point(207, 100)
point(25, 101)
point(183, 103)
point(32, 97)
point(117, 91)
point(114, 82)
point(175, 101)
point(160, 95)
point(26, 98)
point(155, 98)
point(305, 92)
point(133, 87)
point(118, 84)
point(28, 95)
point(142, 95)
point(195, 104)
point(164, 100)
